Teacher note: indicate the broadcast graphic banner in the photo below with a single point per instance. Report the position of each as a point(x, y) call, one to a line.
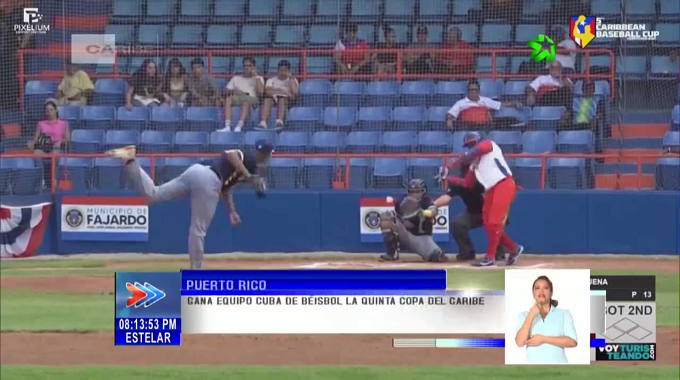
point(104, 218)
point(370, 210)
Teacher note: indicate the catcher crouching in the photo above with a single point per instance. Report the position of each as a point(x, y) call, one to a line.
point(410, 225)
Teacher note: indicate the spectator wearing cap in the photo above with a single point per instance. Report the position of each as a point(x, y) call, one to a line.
point(74, 88)
point(566, 51)
point(202, 89)
point(281, 90)
point(473, 110)
point(351, 53)
point(420, 62)
point(455, 56)
point(386, 63)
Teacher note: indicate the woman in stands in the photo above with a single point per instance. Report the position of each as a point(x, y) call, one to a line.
point(51, 136)
point(174, 87)
point(143, 89)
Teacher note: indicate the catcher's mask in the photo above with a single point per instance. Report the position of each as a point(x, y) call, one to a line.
point(417, 188)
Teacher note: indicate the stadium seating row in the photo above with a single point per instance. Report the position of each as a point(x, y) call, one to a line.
point(24, 176)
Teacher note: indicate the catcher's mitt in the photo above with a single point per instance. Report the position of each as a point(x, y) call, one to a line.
point(409, 207)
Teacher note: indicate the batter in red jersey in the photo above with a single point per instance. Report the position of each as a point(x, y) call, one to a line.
point(491, 171)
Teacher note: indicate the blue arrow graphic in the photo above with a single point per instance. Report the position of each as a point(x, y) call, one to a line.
point(145, 290)
point(157, 295)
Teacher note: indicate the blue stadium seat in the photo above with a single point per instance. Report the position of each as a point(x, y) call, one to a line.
point(640, 9)
point(77, 171)
point(191, 142)
point(664, 67)
point(319, 65)
point(382, 93)
point(194, 11)
point(669, 8)
point(221, 141)
point(374, 118)
point(118, 138)
point(436, 117)
point(539, 142)
point(366, 32)
point(596, 60)
point(221, 65)
point(134, 118)
point(434, 142)
point(491, 88)
point(408, 118)
point(360, 172)
point(108, 173)
point(675, 117)
point(187, 36)
point(5, 176)
point(109, 92)
point(283, 173)
point(98, 117)
point(546, 117)
point(433, 10)
point(669, 34)
point(575, 142)
point(516, 62)
point(204, 119)
point(363, 142)
point(566, 173)
point(263, 9)
point(435, 33)
point(292, 142)
point(297, 9)
point(535, 8)
point(303, 118)
point(126, 10)
point(527, 172)
point(365, 9)
point(35, 94)
point(315, 92)
point(521, 114)
point(417, 93)
point(230, 9)
point(425, 169)
point(289, 36)
point(399, 9)
point(389, 173)
point(156, 142)
point(508, 141)
point(485, 64)
point(398, 142)
point(448, 93)
point(611, 8)
point(668, 173)
point(331, 9)
point(468, 32)
point(70, 114)
point(601, 88)
point(174, 166)
point(526, 32)
point(339, 117)
point(328, 142)
point(632, 66)
point(671, 139)
point(160, 10)
point(323, 35)
point(256, 35)
point(125, 34)
point(221, 35)
point(318, 173)
point(87, 141)
point(167, 118)
point(293, 60)
point(252, 137)
point(153, 35)
point(496, 34)
point(348, 93)
point(20, 176)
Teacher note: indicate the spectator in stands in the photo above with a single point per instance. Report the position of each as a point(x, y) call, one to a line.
point(585, 109)
point(566, 58)
point(52, 134)
point(202, 90)
point(281, 90)
point(473, 110)
point(352, 56)
point(553, 89)
point(242, 91)
point(144, 89)
point(74, 88)
point(174, 88)
point(386, 63)
point(423, 62)
point(456, 56)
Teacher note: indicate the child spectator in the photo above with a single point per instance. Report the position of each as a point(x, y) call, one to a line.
point(280, 90)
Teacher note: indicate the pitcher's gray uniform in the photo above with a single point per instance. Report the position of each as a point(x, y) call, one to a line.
point(204, 182)
point(413, 232)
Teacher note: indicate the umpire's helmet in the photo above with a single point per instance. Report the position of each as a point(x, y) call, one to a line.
point(417, 187)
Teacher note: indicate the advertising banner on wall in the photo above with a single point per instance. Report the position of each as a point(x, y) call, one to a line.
point(104, 218)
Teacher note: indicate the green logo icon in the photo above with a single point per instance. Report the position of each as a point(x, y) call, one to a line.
point(539, 51)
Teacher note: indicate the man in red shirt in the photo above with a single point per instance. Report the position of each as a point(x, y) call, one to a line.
point(352, 55)
point(456, 56)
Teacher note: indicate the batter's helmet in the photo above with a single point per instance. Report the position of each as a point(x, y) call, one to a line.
point(470, 139)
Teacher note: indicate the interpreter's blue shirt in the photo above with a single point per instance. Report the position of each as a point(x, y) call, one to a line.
point(558, 322)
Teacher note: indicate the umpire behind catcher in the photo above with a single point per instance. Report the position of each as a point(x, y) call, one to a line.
point(468, 219)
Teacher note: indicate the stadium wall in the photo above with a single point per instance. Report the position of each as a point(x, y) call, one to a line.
point(547, 222)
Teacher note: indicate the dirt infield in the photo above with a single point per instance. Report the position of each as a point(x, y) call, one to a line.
point(97, 348)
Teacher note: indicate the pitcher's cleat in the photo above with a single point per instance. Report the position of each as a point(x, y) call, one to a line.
point(512, 259)
point(125, 153)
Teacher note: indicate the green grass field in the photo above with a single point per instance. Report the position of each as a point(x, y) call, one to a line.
point(26, 310)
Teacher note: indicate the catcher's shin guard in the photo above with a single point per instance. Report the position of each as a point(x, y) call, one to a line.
point(390, 237)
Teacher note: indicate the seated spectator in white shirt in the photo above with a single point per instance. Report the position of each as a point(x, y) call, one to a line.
point(242, 91)
point(280, 90)
point(553, 89)
point(566, 58)
point(473, 110)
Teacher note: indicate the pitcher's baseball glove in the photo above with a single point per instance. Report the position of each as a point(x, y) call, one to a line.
point(259, 184)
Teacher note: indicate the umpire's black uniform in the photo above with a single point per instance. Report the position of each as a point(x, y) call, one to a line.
point(469, 219)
